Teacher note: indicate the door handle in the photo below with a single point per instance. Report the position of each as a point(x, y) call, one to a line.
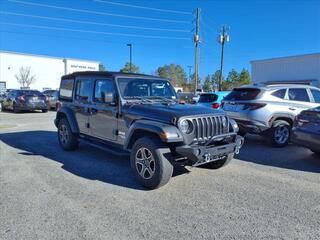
point(292, 109)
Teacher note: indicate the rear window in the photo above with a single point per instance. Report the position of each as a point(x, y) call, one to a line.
point(66, 88)
point(242, 94)
point(206, 98)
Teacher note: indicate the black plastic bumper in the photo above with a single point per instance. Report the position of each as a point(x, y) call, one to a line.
point(200, 154)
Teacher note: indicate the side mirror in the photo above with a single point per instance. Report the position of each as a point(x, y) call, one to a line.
point(108, 97)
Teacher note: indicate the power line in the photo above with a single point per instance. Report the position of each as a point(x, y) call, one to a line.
point(143, 7)
point(95, 40)
point(96, 12)
point(95, 32)
point(93, 23)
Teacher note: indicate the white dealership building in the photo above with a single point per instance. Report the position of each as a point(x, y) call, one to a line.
point(46, 70)
point(304, 69)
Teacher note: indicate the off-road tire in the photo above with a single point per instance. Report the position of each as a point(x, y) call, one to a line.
point(67, 139)
point(316, 152)
point(242, 133)
point(273, 136)
point(163, 168)
point(14, 109)
point(219, 163)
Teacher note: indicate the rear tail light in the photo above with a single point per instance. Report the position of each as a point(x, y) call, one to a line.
point(253, 106)
point(22, 98)
point(215, 105)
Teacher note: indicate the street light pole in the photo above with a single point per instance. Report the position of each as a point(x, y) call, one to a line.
point(130, 49)
point(222, 38)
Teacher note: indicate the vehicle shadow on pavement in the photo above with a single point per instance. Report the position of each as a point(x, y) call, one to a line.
point(87, 162)
point(257, 150)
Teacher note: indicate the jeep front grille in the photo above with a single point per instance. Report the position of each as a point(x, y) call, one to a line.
point(207, 127)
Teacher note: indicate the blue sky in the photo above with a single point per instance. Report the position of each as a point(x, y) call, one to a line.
point(258, 29)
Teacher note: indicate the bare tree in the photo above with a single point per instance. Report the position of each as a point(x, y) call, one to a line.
point(24, 77)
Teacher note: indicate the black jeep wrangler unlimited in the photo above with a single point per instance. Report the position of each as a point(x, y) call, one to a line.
point(140, 114)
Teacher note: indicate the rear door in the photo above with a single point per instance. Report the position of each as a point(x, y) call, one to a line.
point(299, 100)
point(82, 99)
point(103, 118)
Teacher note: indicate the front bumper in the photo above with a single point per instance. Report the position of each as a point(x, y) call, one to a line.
point(202, 154)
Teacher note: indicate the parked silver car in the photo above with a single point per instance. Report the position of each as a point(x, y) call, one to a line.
point(270, 109)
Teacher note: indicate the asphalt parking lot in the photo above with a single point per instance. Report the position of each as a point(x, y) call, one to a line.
point(46, 193)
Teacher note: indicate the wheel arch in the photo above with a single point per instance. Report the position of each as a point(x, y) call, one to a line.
point(67, 113)
point(142, 128)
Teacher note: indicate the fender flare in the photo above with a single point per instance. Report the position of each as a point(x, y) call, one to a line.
point(70, 117)
point(167, 133)
point(281, 116)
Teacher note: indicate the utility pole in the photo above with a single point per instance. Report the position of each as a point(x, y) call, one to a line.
point(222, 38)
point(196, 40)
point(130, 47)
point(190, 67)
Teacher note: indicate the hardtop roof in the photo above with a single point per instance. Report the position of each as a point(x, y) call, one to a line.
point(107, 74)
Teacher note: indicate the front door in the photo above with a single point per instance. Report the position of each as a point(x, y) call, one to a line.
point(103, 117)
point(84, 89)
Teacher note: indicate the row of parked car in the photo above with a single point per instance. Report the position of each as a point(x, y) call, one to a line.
point(282, 112)
point(28, 100)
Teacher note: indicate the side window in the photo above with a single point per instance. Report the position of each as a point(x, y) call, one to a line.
point(316, 95)
point(298, 94)
point(66, 88)
point(83, 90)
point(279, 93)
point(102, 86)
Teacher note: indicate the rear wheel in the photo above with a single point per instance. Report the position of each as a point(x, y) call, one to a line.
point(67, 139)
point(219, 163)
point(280, 133)
point(149, 163)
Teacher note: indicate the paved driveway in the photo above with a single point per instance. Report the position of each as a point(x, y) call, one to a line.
point(46, 193)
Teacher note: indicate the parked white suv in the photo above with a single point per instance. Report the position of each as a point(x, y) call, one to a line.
point(270, 109)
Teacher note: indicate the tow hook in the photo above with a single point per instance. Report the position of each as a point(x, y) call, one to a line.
point(239, 144)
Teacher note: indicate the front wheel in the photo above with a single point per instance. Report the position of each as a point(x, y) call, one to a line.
point(220, 163)
point(149, 163)
point(44, 110)
point(67, 139)
point(280, 133)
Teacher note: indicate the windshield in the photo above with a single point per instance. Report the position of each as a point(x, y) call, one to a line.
point(207, 98)
point(30, 92)
point(138, 88)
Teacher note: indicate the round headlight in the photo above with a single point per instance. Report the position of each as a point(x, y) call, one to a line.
point(185, 126)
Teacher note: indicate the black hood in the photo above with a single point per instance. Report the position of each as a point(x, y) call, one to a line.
point(165, 113)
